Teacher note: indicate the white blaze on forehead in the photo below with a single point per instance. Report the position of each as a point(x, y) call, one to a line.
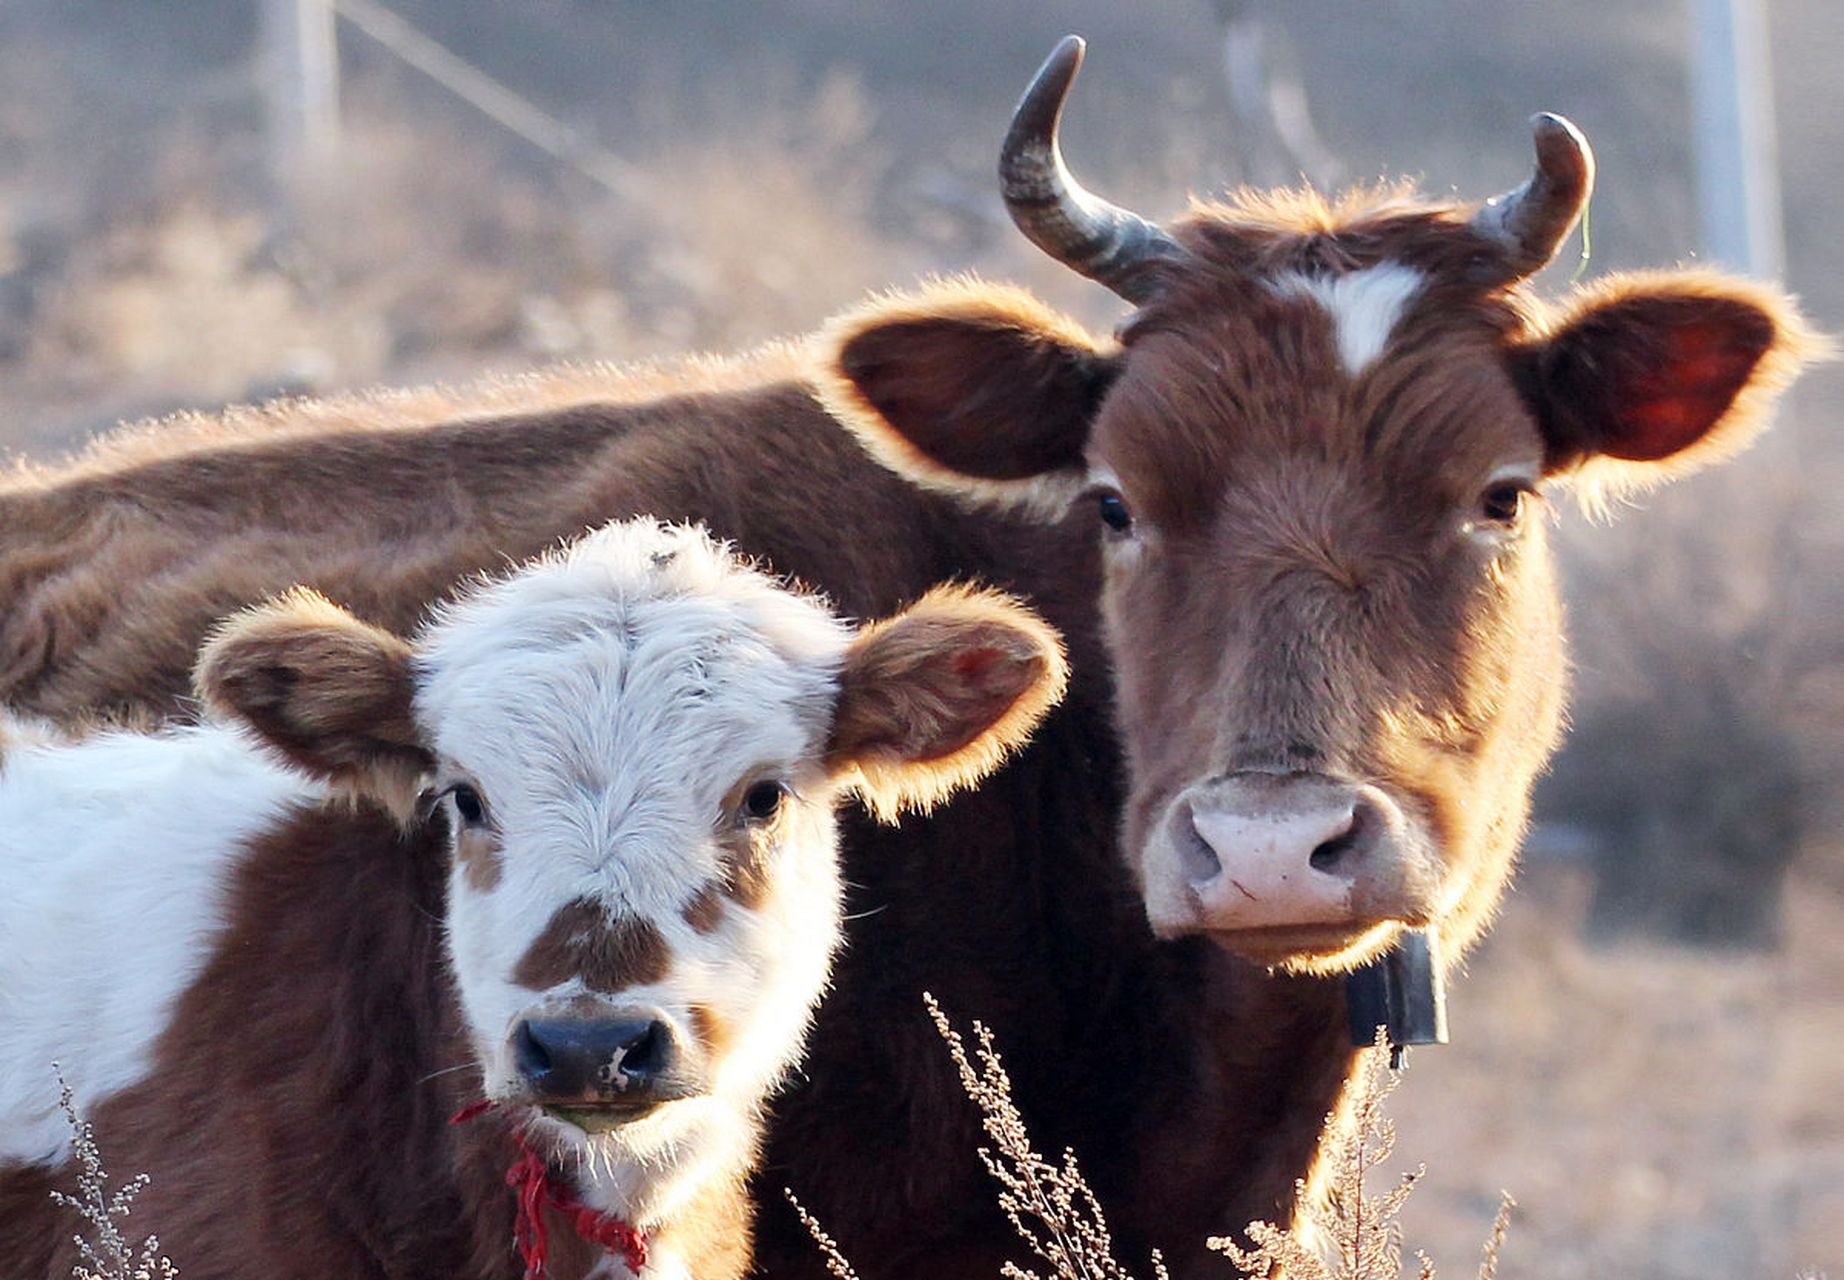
point(1365, 306)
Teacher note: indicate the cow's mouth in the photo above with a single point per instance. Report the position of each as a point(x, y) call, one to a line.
point(601, 1117)
point(1309, 948)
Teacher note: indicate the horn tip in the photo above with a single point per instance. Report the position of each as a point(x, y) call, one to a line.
point(1550, 124)
point(1064, 60)
point(1562, 149)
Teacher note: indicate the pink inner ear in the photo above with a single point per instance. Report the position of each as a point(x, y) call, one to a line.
point(1687, 390)
point(973, 664)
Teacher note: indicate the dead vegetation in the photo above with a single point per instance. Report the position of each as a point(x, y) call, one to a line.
point(1352, 1233)
point(106, 1250)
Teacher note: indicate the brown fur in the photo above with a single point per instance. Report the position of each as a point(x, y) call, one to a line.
point(715, 1236)
point(746, 879)
point(710, 1029)
point(479, 856)
point(608, 955)
point(705, 911)
point(271, 1096)
point(1359, 644)
point(932, 699)
point(325, 690)
point(1191, 1082)
point(298, 1128)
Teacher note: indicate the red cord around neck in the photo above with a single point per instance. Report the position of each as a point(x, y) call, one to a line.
point(535, 1186)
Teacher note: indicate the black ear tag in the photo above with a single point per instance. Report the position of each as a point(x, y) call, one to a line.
point(1403, 992)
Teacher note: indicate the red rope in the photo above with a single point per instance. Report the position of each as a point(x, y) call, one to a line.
point(535, 1187)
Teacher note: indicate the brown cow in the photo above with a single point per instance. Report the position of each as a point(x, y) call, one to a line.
point(1292, 524)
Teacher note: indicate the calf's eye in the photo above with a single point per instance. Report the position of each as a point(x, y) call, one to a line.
point(1113, 510)
point(1504, 503)
point(468, 804)
point(763, 801)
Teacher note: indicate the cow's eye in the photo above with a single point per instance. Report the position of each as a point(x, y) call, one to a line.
point(468, 804)
point(763, 801)
point(1504, 502)
point(1113, 511)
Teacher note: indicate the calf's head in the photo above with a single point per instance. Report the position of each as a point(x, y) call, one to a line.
point(637, 744)
point(1317, 459)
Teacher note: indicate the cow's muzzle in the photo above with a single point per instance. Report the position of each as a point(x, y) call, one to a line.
point(602, 1071)
point(1271, 865)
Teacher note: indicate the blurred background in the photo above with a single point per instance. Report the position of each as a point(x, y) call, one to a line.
point(204, 202)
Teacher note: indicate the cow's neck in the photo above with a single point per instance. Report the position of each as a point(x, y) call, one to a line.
point(1191, 1085)
point(1268, 1057)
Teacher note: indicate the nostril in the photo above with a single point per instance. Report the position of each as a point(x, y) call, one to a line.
point(649, 1053)
point(528, 1054)
point(1198, 859)
point(1329, 853)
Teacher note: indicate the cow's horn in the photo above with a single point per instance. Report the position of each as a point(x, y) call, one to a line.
point(1531, 222)
point(1083, 231)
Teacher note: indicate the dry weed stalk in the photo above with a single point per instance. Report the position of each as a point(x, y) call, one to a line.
point(1363, 1233)
point(836, 1262)
point(1049, 1205)
point(107, 1253)
point(1057, 1215)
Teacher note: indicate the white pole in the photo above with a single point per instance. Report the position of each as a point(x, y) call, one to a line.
point(300, 73)
point(1738, 166)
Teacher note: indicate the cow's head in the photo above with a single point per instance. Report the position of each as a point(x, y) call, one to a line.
point(1318, 458)
point(637, 744)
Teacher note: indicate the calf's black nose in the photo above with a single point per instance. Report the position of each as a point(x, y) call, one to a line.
point(599, 1060)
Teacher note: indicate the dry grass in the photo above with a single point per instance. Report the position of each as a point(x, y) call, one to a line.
point(107, 1253)
point(1664, 1113)
point(1351, 1234)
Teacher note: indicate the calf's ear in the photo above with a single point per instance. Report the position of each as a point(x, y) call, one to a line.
point(330, 694)
point(971, 389)
point(1650, 375)
point(934, 698)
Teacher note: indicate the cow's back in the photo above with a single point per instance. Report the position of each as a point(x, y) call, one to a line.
point(113, 569)
point(1009, 902)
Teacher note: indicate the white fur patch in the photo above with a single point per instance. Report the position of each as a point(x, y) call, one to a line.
point(114, 853)
point(1364, 305)
point(605, 701)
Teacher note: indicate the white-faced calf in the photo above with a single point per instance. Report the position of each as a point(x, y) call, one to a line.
point(272, 999)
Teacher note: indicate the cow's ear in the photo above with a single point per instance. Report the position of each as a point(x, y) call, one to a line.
point(973, 389)
point(330, 694)
point(1647, 376)
point(935, 697)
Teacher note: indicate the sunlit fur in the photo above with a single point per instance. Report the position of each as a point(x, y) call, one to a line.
point(999, 312)
point(887, 654)
point(1303, 420)
point(1014, 904)
point(610, 703)
point(605, 703)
